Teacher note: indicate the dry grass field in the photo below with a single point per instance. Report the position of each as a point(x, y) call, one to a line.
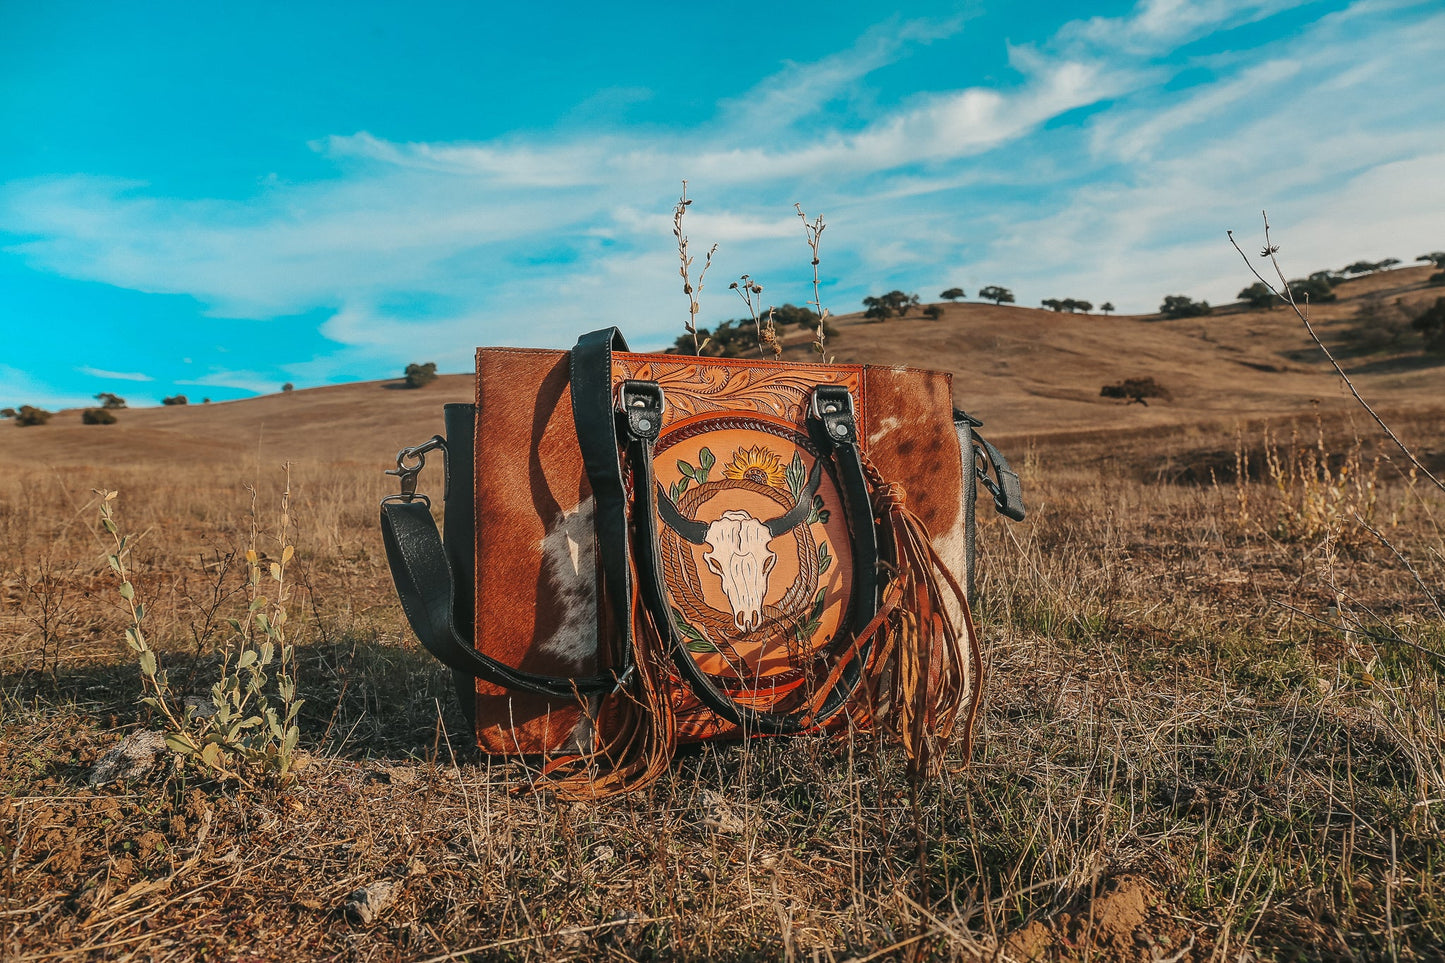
point(1214, 731)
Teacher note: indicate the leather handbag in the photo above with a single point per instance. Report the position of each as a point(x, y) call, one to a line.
point(645, 550)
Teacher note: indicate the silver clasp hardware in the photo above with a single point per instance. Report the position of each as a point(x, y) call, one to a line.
point(409, 463)
point(817, 407)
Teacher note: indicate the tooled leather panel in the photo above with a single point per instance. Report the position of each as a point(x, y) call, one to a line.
point(909, 437)
point(536, 586)
point(752, 605)
point(777, 388)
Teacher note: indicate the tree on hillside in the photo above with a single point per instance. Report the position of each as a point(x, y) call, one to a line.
point(176, 400)
point(1436, 258)
point(887, 305)
point(1312, 290)
point(1180, 306)
point(7, 412)
point(1257, 295)
point(1369, 267)
point(108, 400)
point(1107, 307)
point(97, 416)
point(1078, 305)
point(29, 415)
point(1327, 277)
point(953, 294)
point(996, 294)
point(933, 312)
point(1053, 304)
point(1431, 325)
point(792, 314)
point(418, 375)
point(288, 386)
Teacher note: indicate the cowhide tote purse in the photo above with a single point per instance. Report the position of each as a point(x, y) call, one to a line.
point(644, 550)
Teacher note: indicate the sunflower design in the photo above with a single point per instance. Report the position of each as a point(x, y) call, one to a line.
point(757, 464)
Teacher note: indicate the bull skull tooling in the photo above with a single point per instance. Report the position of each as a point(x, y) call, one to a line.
point(737, 543)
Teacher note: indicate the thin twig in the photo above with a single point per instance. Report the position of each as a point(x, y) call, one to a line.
point(1359, 629)
point(1405, 562)
point(574, 931)
point(1270, 249)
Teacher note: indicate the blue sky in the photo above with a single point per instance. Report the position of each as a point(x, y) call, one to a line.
point(215, 199)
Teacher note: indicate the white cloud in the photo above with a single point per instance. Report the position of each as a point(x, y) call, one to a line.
point(115, 375)
point(530, 239)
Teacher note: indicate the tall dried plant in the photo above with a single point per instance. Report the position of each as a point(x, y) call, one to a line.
point(685, 268)
point(814, 231)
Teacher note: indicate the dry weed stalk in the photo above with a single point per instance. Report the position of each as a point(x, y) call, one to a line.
point(685, 265)
point(747, 288)
point(1311, 494)
point(814, 232)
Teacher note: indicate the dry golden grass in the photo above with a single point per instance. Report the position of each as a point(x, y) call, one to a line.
point(1215, 722)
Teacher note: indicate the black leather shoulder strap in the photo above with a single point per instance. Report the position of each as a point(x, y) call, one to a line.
point(424, 582)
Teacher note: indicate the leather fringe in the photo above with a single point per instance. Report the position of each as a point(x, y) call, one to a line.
point(921, 676)
point(643, 738)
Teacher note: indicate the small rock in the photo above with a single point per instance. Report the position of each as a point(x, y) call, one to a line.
point(367, 903)
point(393, 776)
point(604, 853)
point(134, 757)
point(415, 867)
point(717, 813)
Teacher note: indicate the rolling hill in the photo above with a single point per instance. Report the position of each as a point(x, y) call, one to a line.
point(1024, 371)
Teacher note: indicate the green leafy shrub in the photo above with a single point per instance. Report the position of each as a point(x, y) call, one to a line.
point(97, 416)
point(30, 415)
point(108, 400)
point(420, 375)
point(1180, 306)
point(1135, 389)
point(792, 314)
point(1313, 289)
point(176, 400)
point(933, 312)
point(953, 294)
point(1257, 295)
point(884, 306)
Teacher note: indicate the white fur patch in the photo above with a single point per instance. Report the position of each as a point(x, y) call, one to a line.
point(884, 427)
point(567, 566)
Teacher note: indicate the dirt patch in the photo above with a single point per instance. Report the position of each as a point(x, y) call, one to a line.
point(1130, 920)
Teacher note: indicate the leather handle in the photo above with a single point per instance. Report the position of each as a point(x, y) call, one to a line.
point(627, 533)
